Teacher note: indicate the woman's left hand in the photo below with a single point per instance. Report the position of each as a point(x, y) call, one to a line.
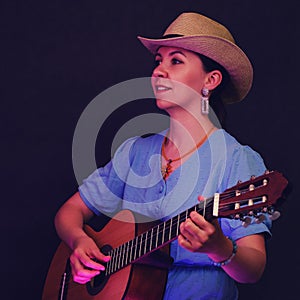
point(199, 235)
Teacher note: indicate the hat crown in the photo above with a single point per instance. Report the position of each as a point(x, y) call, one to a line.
point(193, 24)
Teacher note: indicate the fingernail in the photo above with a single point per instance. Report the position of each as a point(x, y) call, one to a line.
point(201, 198)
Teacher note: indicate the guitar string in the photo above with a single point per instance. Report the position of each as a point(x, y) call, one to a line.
point(144, 242)
point(181, 219)
point(225, 195)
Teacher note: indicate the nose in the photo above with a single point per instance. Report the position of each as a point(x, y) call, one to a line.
point(160, 71)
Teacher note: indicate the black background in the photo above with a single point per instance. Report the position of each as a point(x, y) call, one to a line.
point(56, 56)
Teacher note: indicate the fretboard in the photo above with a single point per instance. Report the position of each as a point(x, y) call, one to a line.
point(153, 239)
point(250, 196)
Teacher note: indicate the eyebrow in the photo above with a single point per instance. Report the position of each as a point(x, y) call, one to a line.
point(171, 53)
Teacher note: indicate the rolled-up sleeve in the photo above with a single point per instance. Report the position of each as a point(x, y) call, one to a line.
point(103, 190)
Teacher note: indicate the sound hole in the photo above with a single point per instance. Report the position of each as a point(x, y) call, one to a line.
point(97, 283)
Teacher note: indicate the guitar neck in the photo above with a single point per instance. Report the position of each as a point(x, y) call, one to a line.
point(153, 239)
point(253, 195)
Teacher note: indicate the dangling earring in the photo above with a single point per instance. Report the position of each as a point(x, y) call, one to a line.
point(204, 101)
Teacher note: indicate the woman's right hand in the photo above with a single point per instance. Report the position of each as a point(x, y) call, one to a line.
point(86, 259)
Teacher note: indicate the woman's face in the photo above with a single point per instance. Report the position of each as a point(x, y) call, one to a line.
point(178, 77)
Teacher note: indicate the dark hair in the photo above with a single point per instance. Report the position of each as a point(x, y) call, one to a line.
point(215, 99)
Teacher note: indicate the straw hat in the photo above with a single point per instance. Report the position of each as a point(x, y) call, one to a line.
point(195, 32)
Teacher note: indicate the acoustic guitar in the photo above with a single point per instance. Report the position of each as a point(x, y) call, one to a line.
point(139, 251)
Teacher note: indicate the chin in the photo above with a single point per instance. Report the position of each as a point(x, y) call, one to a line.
point(163, 104)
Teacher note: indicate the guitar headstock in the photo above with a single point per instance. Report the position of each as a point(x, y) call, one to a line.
point(259, 194)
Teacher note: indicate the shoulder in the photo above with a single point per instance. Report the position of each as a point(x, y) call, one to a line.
point(234, 148)
point(244, 162)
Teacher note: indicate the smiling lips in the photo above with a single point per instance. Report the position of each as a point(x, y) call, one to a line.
point(162, 88)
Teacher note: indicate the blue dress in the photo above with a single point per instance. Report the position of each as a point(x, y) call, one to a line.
point(132, 180)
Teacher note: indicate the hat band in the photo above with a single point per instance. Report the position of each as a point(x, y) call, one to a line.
point(169, 36)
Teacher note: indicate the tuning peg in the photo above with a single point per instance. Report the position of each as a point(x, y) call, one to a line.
point(236, 216)
point(260, 218)
point(246, 221)
point(252, 213)
point(275, 215)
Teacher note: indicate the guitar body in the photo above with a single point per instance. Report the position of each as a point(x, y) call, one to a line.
point(132, 282)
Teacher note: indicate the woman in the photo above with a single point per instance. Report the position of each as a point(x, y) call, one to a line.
point(198, 63)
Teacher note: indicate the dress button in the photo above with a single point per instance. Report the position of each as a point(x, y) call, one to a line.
point(161, 189)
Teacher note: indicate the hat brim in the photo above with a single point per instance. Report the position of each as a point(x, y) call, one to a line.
point(224, 52)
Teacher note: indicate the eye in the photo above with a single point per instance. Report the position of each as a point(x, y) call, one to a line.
point(176, 61)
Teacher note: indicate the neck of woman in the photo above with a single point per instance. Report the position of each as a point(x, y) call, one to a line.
point(185, 132)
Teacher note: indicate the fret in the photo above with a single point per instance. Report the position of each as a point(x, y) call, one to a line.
point(126, 254)
point(180, 218)
point(170, 233)
point(160, 235)
point(143, 239)
point(140, 246)
point(118, 258)
point(163, 233)
point(158, 243)
point(113, 264)
point(143, 242)
point(122, 256)
point(167, 230)
point(107, 272)
point(151, 238)
point(111, 261)
point(145, 247)
point(178, 223)
point(130, 252)
point(129, 258)
point(135, 247)
point(174, 228)
point(157, 236)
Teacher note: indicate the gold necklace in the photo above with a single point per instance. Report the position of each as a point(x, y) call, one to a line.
point(167, 169)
